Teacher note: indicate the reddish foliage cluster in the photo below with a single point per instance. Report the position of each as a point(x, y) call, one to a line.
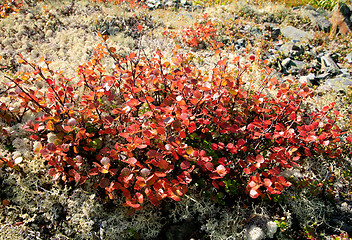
point(203, 34)
point(150, 127)
point(131, 3)
point(10, 6)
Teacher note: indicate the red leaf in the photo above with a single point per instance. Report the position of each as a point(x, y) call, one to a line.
point(34, 137)
point(260, 159)
point(241, 142)
point(254, 193)
point(267, 182)
point(185, 165)
point(182, 134)
point(209, 166)
point(140, 183)
point(93, 172)
point(278, 186)
point(140, 28)
point(132, 161)
point(242, 163)
point(104, 182)
point(283, 181)
point(52, 171)
point(160, 130)
point(197, 94)
point(152, 197)
point(221, 170)
point(141, 146)
point(163, 164)
point(247, 171)
point(184, 177)
point(133, 102)
point(160, 174)
point(230, 146)
point(51, 147)
point(172, 195)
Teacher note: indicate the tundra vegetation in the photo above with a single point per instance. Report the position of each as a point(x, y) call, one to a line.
point(122, 122)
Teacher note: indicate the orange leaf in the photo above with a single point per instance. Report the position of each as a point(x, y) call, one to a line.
point(139, 197)
point(5, 202)
point(140, 28)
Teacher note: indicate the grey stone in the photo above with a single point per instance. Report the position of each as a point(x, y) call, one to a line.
point(328, 63)
point(310, 7)
point(296, 34)
point(169, 3)
point(345, 72)
point(307, 79)
point(290, 48)
point(317, 18)
point(299, 64)
point(349, 57)
point(322, 76)
point(339, 83)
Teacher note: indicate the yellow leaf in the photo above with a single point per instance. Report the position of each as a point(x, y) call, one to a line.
point(50, 125)
point(75, 149)
point(189, 150)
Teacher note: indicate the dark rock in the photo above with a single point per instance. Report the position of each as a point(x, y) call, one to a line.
point(180, 231)
point(341, 19)
point(291, 49)
point(287, 63)
point(296, 51)
point(272, 32)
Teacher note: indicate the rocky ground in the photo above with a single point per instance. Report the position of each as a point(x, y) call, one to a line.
point(304, 43)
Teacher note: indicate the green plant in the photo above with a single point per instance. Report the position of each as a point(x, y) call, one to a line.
point(282, 224)
point(326, 4)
